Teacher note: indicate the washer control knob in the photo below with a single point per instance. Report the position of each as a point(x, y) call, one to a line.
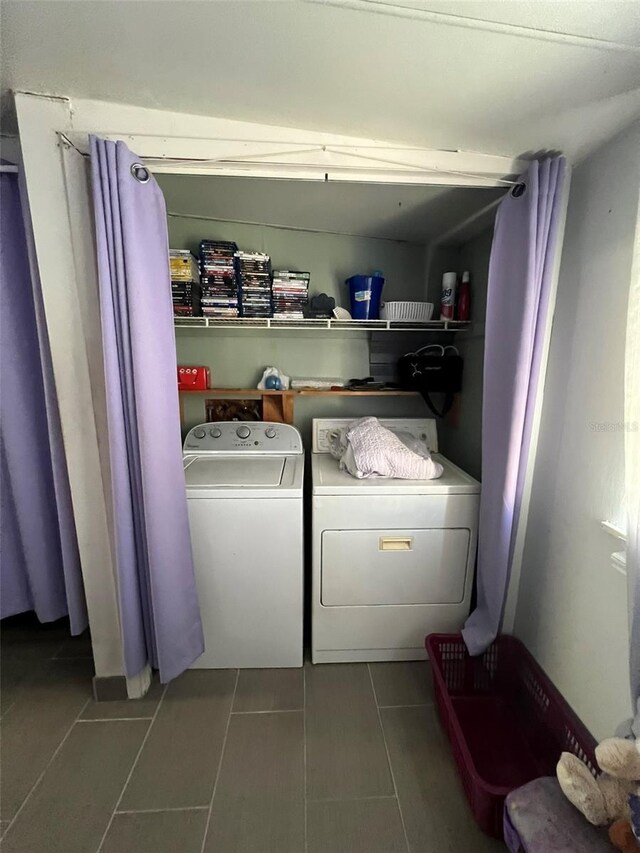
point(270, 432)
point(199, 433)
point(243, 432)
point(216, 432)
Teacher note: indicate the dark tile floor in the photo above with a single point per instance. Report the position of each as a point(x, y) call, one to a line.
point(344, 758)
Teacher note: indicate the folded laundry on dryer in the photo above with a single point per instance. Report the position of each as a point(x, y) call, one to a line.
point(368, 449)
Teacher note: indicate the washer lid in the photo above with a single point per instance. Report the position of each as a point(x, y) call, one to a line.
point(219, 472)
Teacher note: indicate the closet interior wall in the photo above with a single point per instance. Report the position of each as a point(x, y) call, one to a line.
point(461, 437)
point(332, 232)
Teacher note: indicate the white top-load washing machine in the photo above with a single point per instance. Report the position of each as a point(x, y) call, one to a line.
point(244, 493)
point(392, 560)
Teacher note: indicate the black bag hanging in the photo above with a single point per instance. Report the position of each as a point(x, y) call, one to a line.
point(435, 372)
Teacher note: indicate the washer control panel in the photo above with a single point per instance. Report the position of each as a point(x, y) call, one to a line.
point(243, 437)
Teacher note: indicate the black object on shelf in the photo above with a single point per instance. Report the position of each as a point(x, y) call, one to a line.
point(370, 384)
point(320, 307)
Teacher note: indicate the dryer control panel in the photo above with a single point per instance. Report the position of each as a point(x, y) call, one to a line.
point(244, 437)
point(422, 429)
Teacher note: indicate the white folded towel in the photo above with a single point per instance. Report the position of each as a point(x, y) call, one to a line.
point(317, 382)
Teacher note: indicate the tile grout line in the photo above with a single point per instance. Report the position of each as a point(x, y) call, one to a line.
point(386, 747)
point(352, 799)
point(115, 719)
point(304, 753)
point(133, 767)
point(224, 746)
point(161, 811)
point(274, 711)
point(48, 764)
point(414, 705)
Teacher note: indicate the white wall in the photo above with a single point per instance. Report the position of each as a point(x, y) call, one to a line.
point(236, 359)
point(330, 258)
point(572, 611)
point(461, 440)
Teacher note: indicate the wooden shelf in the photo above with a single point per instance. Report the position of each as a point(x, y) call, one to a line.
point(302, 392)
point(277, 406)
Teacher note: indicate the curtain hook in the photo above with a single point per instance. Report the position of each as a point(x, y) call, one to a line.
point(519, 190)
point(140, 173)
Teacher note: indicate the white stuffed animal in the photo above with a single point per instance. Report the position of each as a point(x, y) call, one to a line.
point(605, 798)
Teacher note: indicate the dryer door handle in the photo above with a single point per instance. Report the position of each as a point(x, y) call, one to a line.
point(395, 543)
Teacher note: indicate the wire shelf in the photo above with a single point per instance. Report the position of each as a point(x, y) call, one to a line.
point(325, 325)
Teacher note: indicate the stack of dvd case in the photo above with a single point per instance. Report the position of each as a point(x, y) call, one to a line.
point(220, 294)
point(184, 266)
point(185, 286)
point(290, 294)
point(255, 283)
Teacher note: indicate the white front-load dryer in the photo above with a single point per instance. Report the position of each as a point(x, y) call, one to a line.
point(392, 560)
point(244, 494)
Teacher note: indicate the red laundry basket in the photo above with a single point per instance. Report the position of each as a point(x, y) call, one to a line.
point(506, 721)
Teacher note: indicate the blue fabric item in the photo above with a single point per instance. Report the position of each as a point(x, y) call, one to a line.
point(520, 271)
point(158, 601)
point(39, 560)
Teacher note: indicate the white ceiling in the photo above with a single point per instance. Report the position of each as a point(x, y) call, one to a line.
point(498, 77)
point(418, 214)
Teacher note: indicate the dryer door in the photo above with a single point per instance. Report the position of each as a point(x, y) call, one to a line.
point(377, 567)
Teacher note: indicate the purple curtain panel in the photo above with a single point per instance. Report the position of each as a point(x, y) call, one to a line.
point(520, 269)
point(158, 600)
point(39, 560)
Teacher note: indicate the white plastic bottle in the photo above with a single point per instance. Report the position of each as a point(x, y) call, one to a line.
point(448, 296)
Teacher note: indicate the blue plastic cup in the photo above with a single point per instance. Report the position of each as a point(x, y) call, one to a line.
point(365, 292)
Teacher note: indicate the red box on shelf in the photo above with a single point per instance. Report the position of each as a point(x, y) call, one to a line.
point(193, 378)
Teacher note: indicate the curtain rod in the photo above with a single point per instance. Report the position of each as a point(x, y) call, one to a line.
point(327, 167)
point(69, 144)
point(411, 167)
